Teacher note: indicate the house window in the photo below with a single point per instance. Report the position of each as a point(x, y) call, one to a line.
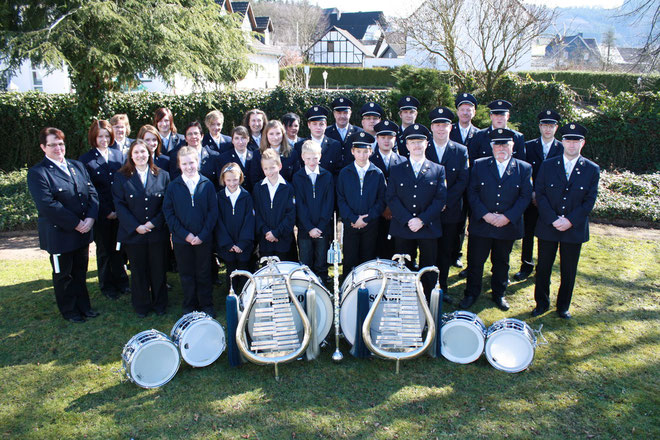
point(331, 46)
point(37, 80)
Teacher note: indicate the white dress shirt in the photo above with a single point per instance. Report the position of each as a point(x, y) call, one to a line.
point(501, 167)
point(233, 196)
point(312, 174)
point(569, 165)
point(273, 188)
point(191, 183)
point(143, 175)
point(61, 165)
point(104, 153)
point(440, 150)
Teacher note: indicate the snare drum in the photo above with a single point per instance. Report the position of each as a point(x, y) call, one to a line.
point(366, 273)
point(200, 338)
point(463, 337)
point(150, 359)
point(299, 283)
point(510, 345)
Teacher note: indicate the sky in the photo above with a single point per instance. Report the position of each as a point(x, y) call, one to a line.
point(397, 8)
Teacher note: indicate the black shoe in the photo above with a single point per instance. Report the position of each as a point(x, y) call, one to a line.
point(538, 311)
point(76, 319)
point(91, 313)
point(501, 303)
point(125, 291)
point(448, 299)
point(463, 273)
point(565, 314)
point(458, 263)
point(522, 275)
point(467, 302)
point(141, 315)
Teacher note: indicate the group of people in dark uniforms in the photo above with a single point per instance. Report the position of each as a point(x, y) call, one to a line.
point(187, 200)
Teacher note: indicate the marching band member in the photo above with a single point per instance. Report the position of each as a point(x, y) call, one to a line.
point(361, 201)
point(164, 122)
point(274, 209)
point(536, 151)
point(384, 157)
point(454, 158)
point(315, 201)
point(102, 163)
point(499, 190)
point(138, 191)
point(191, 212)
point(566, 189)
point(239, 154)
point(372, 114)
point(206, 157)
point(67, 205)
point(291, 122)
point(417, 195)
point(408, 113)
point(121, 128)
point(150, 136)
point(234, 231)
point(331, 153)
point(214, 139)
point(342, 129)
point(500, 111)
point(255, 120)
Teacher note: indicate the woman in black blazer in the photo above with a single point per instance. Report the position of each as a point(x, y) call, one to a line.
point(164, 122)
point(255, 120)
point(139, 191)
point(191, 212)
point(149, 134)
point(102, 164)
point(234, 231)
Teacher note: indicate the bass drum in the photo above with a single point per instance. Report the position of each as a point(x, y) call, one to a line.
point(366, 273)
point(200, 338)
point(299, 283)
point(510, 345)
point(463, 337)
point(150, 359)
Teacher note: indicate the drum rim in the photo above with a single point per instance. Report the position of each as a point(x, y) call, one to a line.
point(167, 342)
point(523, 337)
point(472, 326)
point(181, 341)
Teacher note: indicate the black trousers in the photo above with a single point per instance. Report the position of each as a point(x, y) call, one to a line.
point(446, 246)
point(194, 264)
point(234, 261)
point(385, 242)
point(148, 275)
point(109, 261)
point(70, 284)
point(314, 254)
point(359, 246)
point(479, 248)
point(428, 254)
point(527, 257)
point(457, 251)
point(569, 255)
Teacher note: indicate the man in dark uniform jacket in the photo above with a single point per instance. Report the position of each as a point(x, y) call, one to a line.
point(537, 150)
point(68, 205)
point(331, 154)
point(499, 191)
point(342, 128)
point(372, 113)
point(417, 194)
point(408, 106)
point(566, 189)
point(454, 158)
point(384, 157)
point(462, 133)
point(499, 116)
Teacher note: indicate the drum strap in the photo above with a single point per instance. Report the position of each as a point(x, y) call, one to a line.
point(436, 310)
point(313, 349)
point(359, 349)
point(232, 322)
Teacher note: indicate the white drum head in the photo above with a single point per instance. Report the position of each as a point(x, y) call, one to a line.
point(348, 311)
point(509, 350)
point(202, 343)
point(154, 364)
point(462, 342)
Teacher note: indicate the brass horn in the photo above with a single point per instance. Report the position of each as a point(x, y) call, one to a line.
point(400, 324)
point(275, 333)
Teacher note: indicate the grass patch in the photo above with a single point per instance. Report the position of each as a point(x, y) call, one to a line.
point(598, 377)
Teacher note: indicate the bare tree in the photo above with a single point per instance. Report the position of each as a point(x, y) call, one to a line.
point(488, 36)
point(608, 40)
point(649, 57)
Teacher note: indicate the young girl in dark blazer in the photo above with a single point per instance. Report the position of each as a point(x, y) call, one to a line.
point(138, 192)
point(234, 231)
point(275, 138)
point(191, 212)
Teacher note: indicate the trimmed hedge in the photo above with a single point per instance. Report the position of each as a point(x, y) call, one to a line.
point(622, 196)
point(344, 77)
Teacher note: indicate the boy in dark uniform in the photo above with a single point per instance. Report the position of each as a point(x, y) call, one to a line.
point(500, 111)
point(408, 113)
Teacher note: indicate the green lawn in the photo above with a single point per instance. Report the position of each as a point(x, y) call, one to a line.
point(599, 377)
